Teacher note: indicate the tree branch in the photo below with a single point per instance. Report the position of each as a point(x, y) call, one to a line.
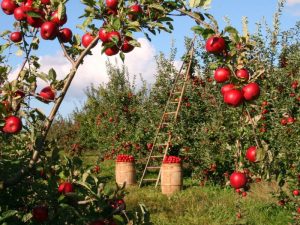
point(39, 148)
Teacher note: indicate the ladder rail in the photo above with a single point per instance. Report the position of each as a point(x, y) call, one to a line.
point(190, 50)
point(178, 108)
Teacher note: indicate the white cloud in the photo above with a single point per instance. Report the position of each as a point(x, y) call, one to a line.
point(93, 70)
point(293, 2)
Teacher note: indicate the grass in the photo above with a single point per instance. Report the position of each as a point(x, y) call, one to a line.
point(208, 205)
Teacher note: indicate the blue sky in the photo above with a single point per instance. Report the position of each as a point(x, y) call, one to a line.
point(255, 10)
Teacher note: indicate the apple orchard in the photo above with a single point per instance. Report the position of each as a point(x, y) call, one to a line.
point(238, 122)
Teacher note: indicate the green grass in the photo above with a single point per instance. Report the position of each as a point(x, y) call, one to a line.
point(208, 205)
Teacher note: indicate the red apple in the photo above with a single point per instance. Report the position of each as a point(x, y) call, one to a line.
point(296, 192)
point(49, 30)
point(58, 21)
point(112, 4)
point(242, 74)
point(65, 187)
point(103, 35)
point(149, 146)
point(298, 210)
point(111, 51)
point(8, 6)
point(65, 35)
point(13, 125)
point(215, 44)
point(290, 120)
point(264, 103)
point(283, 122)
point(238, 180)
point(233, 97)
point(114, 35)
point(16, 36)
point(46, 2)
point(295, 84)
point(47, 94)
point(20, 13)
point(87, 39)
point(251, 154)
point(135, 11)
point(126, 47)
point(36, 21)
point(40, 213)
point(251, 91)
point(222, 74)
point(112, 12)
point(227, 87)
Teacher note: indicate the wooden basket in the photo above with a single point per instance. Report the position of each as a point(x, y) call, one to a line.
point(125, 172)
point(171, 178)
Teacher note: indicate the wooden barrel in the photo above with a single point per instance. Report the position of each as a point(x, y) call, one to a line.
point(125, 172)
point(171, 178)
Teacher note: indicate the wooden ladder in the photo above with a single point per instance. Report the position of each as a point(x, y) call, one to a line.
point(163, 136)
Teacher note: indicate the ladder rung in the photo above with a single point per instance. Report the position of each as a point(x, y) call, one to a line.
point(161, 144)
point(157, 156)
point(176, 92)
point(174, 102)
point(153, 167)
point(150, 179)
point(170, 112)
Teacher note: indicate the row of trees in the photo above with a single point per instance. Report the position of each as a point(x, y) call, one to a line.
point(119, 117)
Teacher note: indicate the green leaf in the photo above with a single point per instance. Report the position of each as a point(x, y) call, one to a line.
point(116, 23)
point(61, 11)
point(19, 52)
point(213, 20)
point(3, 47)
point(34, 14)
point(200, 3)
point(122, 56)
point(118, 219)
point(26, 217)
point(260, 154)
point(8, 214)
point(233, 32)
point(85, 185)
point(135, 43)
point(205, 4)
point(157, 6)
point(85, 176)
point(194, 3)
point(4, 33)
point(52, 74)
point(204, 32)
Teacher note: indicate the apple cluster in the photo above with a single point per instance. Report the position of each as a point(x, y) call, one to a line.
point(65, 187)
point(124, 158)
point(41, 15)
point(112, 40)
point(287, 120)
point(171, 159)
point(13, 123)
point(232, 95)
